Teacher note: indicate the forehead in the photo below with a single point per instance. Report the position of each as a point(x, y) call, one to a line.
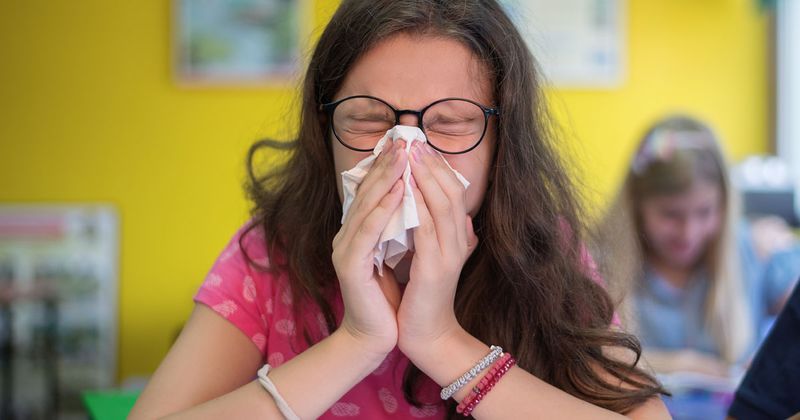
point(700, 194)
point(411, 71)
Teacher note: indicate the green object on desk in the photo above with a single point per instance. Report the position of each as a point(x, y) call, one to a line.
point(109, 405)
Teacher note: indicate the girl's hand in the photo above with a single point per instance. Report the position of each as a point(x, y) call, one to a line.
point(370, 301)
point(443, 242)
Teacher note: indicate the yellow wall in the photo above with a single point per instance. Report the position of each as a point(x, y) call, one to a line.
point(89, 112)
point(707, 58)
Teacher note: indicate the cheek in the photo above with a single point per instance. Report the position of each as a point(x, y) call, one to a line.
point(657, 229)
point(475, 168)
point(475, 195)
point(713, 227)
point(339, 188)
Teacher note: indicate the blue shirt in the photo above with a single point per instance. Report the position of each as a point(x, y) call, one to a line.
point(672, 318)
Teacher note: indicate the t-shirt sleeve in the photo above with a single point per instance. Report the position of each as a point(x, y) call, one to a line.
point(237, 290)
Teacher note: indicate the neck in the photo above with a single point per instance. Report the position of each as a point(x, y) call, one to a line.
point(674, 275)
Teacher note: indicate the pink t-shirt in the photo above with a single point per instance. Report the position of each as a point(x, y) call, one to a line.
point(260, 305)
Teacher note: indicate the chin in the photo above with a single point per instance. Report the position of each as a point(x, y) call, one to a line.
point(686, 261)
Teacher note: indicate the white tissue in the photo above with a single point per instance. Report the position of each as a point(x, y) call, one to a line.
point(397, 238)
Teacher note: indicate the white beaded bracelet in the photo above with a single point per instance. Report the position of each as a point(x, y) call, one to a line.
point(283, 407)
point(494, 354)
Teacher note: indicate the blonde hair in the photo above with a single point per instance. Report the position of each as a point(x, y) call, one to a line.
point(674, 154)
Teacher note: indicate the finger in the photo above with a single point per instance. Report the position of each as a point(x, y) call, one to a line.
point(425, 238)
point(368, 197)
point(380, 162)
point(367, 233)
point(373, 176)
point(437, 202)
point(384, 159)
point(452, 187)
point(444, 174)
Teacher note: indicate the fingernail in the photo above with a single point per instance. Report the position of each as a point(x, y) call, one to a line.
point(429, 149)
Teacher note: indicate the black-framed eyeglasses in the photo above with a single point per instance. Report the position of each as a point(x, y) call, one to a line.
point(451, 125)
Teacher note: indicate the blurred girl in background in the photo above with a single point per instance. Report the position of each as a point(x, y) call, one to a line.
point(681, 261)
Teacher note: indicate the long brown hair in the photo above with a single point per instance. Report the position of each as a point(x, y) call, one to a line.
point(526, 286)
point(674, 154)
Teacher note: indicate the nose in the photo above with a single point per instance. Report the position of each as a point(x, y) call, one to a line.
point(409, 119)
point(689, 230)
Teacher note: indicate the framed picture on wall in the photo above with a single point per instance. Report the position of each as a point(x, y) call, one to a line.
point(580, 44)
point(239, 42)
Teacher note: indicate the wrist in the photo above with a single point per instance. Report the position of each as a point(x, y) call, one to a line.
point(371, 351)
point(449, 358)
point(426, 335)
point(420, 349)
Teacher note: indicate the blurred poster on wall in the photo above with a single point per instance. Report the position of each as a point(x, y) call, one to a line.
point(578, 43)
point(58, 307)
point(223, 42)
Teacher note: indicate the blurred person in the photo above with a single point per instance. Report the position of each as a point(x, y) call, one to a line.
point(681, 260)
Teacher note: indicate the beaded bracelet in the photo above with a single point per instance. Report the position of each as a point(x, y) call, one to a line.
point(494, 354)
point(482, 383)
point(486, 385)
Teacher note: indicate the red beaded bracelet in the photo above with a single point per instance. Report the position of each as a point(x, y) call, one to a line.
point(484, 380)
point(485, 384)
point(502, 371)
